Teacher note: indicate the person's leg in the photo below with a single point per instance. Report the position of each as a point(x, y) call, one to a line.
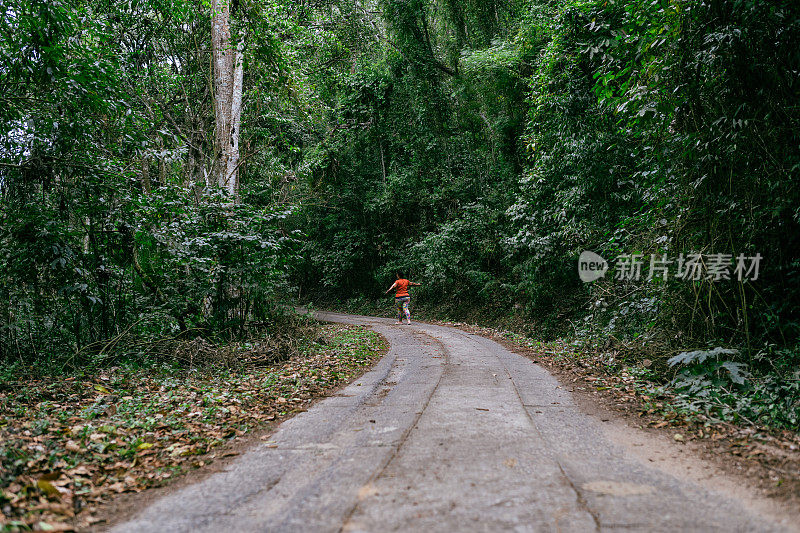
point(399, 305)
point(406, 310)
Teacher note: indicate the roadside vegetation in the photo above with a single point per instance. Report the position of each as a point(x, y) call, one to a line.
point(71, 442)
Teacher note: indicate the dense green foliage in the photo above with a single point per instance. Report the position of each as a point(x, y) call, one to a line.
point(482, 155)
point(477, 146)
point(488, 145)
point(106, 233)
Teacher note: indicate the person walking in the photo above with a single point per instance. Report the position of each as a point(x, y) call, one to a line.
point(402, 297)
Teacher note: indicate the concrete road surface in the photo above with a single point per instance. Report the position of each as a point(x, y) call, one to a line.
point(448, 432)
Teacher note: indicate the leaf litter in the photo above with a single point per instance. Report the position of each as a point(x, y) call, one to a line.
point(70, 445)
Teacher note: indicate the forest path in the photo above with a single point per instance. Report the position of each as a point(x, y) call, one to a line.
point(448, 432)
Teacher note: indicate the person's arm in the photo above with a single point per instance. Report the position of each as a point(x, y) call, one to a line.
point(390, 288)
point(414, 284)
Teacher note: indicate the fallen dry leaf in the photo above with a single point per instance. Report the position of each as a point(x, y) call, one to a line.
point(48, 488)
point(159, 425)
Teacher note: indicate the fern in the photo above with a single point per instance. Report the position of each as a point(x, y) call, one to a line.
point(699, 356)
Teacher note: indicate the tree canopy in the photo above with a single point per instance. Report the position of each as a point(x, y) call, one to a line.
point(480, 146)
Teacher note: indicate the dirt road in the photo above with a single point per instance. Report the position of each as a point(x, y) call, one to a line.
point(449, 432)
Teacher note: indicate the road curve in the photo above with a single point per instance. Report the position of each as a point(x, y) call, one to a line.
point(448, 432)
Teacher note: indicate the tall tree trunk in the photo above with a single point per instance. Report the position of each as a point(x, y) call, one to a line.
point(232, 175)
point(228, 85)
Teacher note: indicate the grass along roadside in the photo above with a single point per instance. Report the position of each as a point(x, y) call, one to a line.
point(70, 444)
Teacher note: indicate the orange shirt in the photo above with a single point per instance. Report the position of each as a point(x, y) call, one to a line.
point(401, 288)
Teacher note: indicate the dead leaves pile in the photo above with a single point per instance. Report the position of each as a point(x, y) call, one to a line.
point(69, 445)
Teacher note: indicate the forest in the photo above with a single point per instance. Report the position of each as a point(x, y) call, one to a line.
point(174, 170)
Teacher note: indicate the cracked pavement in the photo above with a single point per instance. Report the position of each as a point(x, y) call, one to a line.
point(448, 432)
